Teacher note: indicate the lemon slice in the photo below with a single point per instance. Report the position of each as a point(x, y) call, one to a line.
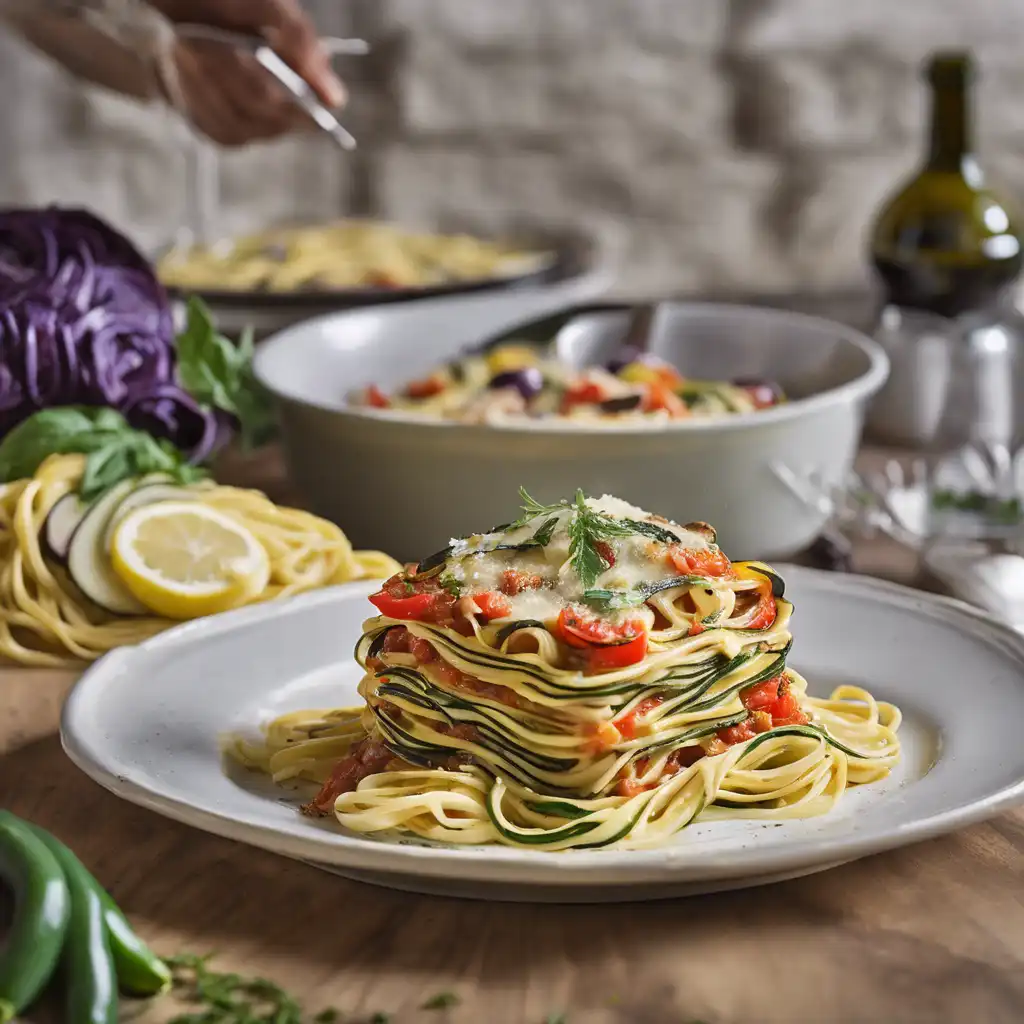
point(183, 559)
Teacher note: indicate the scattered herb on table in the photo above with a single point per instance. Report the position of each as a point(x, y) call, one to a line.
point(442, 1001)
point(229, 998)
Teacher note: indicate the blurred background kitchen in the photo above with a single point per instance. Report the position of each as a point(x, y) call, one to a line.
point(744, 146)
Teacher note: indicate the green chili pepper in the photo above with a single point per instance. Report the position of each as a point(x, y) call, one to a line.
point(140, 972)
point(42, 907)
point(89, 966)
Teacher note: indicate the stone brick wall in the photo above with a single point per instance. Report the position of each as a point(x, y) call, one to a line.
point(740, 144)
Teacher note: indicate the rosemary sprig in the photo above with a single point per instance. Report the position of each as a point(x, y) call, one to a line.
point(534, 509)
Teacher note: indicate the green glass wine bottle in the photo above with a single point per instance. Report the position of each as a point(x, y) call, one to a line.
point(947, 243)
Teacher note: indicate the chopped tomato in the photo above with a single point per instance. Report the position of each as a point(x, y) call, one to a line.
point(376, 398)
point(450, 674)
point(737, 733)
point(660, 396)
point(627, 725)
point(492, 605)
point(766, 609)
point(696, 627)
point(709, 562)
point(606, 551)
point(417, 600)
point(684, 757)
point(602, 737)
point(763, 695)
point(422, 651)
point(426, 388)
point(414, 606)
point(613, 656)
point(366, 758)
point(608, 645)
point(585, 393)
point(629, 788)
point(771, 705)
point(579, 628)
point(396, 641)
point(513, 582)
point(787, 710)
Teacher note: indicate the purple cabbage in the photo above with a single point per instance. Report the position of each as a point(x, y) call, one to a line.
point(84, 321)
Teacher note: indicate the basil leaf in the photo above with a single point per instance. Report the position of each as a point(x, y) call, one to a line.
point(104, 469)
point(62, 431)
point(217, 373)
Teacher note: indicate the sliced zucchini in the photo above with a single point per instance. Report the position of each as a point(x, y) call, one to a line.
point(60, 525)
point(89, 562)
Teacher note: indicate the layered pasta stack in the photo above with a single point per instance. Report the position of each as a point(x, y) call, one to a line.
point(587, 676)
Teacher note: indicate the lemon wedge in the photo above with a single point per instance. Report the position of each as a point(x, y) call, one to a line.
point(183, 559)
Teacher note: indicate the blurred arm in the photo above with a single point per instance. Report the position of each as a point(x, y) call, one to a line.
point(109, 55)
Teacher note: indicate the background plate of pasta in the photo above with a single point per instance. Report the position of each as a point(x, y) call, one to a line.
point(589, 702)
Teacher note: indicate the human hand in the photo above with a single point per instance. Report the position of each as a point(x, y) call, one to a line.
point(229, 96)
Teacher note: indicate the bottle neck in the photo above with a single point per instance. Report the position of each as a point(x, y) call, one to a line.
point(951, 140)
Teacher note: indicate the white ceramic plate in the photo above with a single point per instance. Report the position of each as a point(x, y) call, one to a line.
point(144, 722)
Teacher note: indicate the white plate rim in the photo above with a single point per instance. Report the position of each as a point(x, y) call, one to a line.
point(500, 864)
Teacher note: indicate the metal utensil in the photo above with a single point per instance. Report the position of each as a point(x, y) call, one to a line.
point(293, 83)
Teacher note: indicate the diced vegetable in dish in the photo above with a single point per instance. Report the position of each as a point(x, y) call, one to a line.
point(515, 382)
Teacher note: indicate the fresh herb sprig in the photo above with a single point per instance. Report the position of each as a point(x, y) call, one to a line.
point(218, 374)
point(114, 450)
point(587, 528)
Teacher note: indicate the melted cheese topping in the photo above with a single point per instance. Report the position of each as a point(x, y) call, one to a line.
point(479, 563)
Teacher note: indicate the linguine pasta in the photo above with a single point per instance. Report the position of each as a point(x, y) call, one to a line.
point(589, 676)
point(46, 620)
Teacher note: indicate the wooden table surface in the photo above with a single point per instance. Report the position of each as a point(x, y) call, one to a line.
point(933, 932)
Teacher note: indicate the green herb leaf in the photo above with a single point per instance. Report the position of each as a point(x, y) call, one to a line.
point(586, 528)
point(556, 1018)
point(64, 431)
point(441, 1001)
point(114, 450)
point(533, 509)
point(380, 1018)
point(218, 373)
point(450, 583)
